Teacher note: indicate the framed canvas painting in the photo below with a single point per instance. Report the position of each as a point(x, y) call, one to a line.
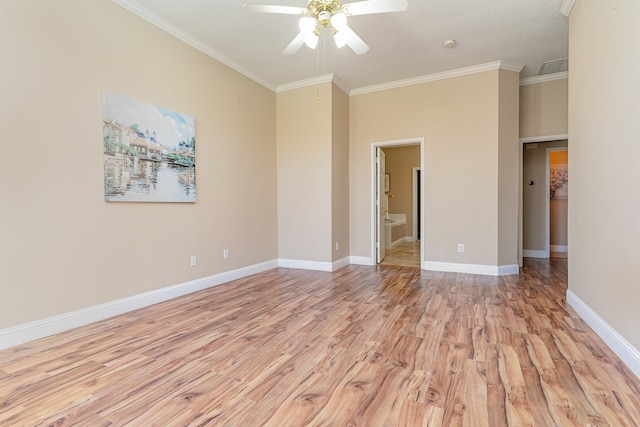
point(149, 152)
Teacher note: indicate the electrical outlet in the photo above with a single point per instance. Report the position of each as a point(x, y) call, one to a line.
point(225, 254)
point(193, 260)
point(337, 246)
point(460, 247)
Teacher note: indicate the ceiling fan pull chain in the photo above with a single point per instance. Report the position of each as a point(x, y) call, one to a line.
point(318, 72)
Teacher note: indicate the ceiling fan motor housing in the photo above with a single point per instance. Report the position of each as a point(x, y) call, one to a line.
point(323, 10)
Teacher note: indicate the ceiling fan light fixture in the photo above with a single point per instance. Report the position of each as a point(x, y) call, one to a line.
point(339, 20)
point(339, 38)
point(307, 24)
point(311, 41)
point(331, 15)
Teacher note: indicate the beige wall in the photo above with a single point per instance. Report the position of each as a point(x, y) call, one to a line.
point(305, 173)
point(313, 173)
point(459, 119)
point(544, 109)
point(604, 204)
point(271, 182)
point(399, 164)
point(534, 222)
point(340, 173)
point(508, 150)
point(62, 246)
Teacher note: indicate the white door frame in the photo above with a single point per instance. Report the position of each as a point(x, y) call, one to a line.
point(382, 208)
point(521, 180)
point(372, 198)
point(415, 203)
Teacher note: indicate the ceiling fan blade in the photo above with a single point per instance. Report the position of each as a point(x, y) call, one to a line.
point(266, 8)
point(353, 40)
point(296, 43)
point(367, 7)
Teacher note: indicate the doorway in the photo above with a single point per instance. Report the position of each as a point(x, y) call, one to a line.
point(397, 204)
point(544, 198)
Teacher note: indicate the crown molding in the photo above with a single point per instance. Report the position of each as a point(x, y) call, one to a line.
point(325, 78)
point(566, 6)
point(203, 47)
point(509, 66)
point(497, 65)
point(189, 39)
point(544, 78)
point(342, 85)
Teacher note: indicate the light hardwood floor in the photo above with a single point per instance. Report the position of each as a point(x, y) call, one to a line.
point(406, 254)
point(364, 346)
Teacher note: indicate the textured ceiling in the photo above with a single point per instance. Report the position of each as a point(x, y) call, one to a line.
point(403, 45)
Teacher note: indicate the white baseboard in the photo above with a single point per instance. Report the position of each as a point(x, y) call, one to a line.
point(533, 253)
point(305, 265)
point(52, 325)
point(620, 346)
point(361, 260)
point(26, 332)
point(401, 240)
point(488, 270)
point(337, 265)
point(559, 248)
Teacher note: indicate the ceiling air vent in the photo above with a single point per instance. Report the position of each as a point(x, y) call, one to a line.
point(556, 66)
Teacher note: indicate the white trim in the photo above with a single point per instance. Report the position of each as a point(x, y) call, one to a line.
point(305, 265)
point(544, 78)
point(534, 253)
point(620, 346)
point(337, 265)
point(189, 39)
point(545, 138)
point(559, 248)
point(520, 203)
point(361, 260)
point(566, 6)
point(394, 143)
point(400, 241)
point(414, 208)
point(52, 325)
point(508, 270)
point(487, 270)
point(497, 65)
point(326, 78)
point(341, 84)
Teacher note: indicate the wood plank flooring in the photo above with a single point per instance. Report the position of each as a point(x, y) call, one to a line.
point(364, 346)
point(407, 254)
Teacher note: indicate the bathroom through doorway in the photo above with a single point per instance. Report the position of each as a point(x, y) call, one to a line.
point(397, 202)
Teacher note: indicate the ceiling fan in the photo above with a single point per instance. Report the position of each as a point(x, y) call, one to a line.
point(329, 14)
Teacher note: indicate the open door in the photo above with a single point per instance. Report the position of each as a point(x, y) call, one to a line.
point(381, 207)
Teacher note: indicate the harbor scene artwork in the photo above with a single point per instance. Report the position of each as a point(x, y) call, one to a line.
point(149, 152)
